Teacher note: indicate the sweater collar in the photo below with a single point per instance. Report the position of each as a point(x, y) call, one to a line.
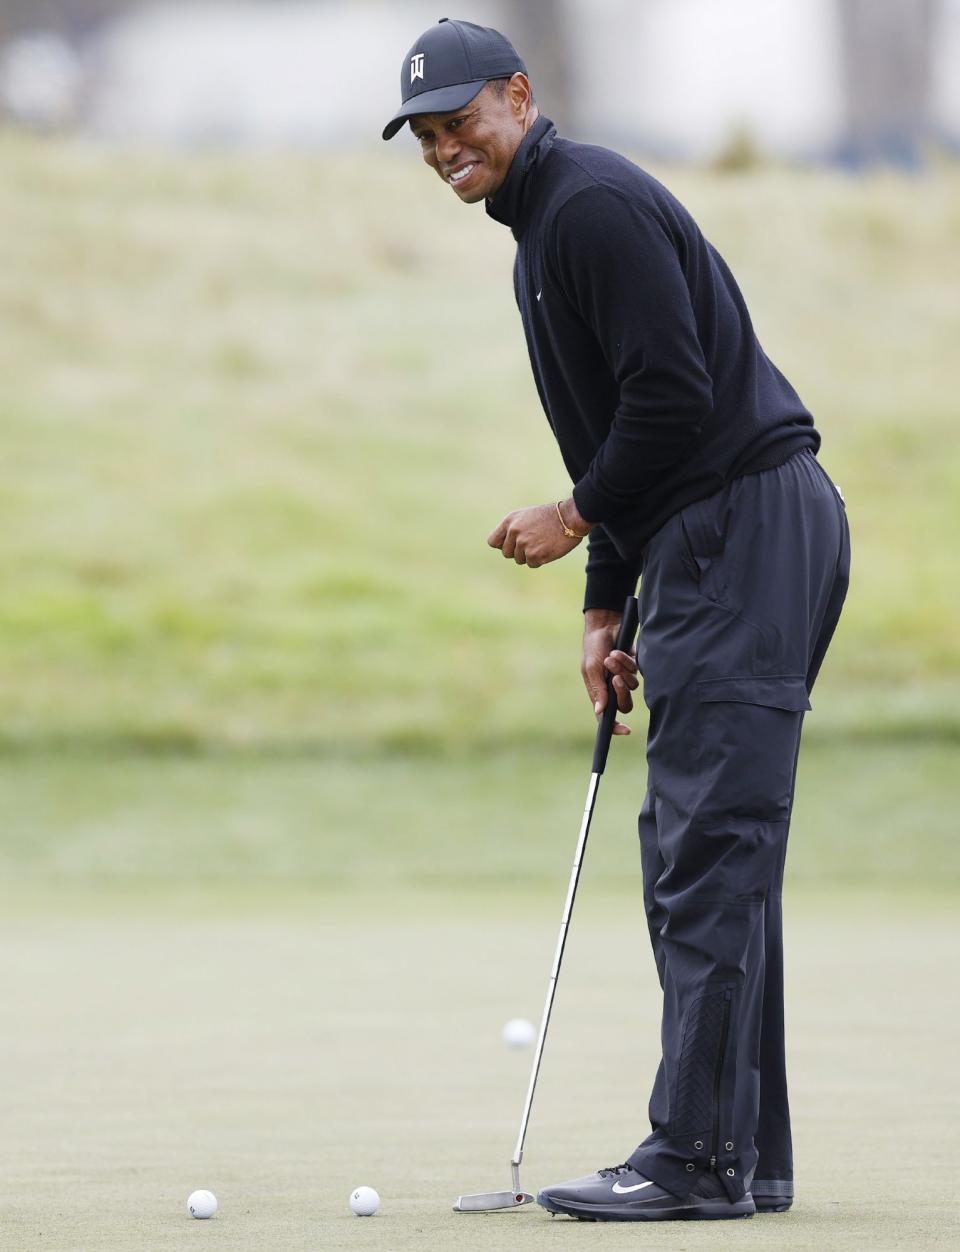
point(512, 202)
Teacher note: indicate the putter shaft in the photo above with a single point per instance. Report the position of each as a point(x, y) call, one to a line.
point(488, 1201)
point(554, 974)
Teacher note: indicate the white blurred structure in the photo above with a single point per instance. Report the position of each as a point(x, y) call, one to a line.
point(674, 77)
point(40, 80)
point(287, 72)
point(946, 93)
point(703, 70)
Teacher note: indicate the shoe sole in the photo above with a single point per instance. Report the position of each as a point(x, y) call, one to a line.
point(771, 1204)
point(709, 1210)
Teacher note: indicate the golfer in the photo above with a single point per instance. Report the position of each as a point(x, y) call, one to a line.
point(693, 460)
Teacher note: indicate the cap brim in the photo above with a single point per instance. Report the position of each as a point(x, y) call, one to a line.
point(440, 100)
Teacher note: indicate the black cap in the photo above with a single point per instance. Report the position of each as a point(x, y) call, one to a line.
point(447, 67)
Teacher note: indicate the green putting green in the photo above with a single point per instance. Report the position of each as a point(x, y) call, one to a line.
point(282, 1057)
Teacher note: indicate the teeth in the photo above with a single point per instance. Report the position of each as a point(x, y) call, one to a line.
point(455, 178)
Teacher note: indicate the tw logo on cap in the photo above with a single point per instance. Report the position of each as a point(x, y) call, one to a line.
point(416, 66)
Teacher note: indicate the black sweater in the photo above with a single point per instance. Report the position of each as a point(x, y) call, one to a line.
point(642, 348)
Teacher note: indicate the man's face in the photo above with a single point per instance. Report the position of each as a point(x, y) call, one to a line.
point(471, 148)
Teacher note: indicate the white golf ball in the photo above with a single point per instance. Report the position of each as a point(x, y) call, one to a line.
point(518, 1033)
point(202, 1204)
point(364, 1201)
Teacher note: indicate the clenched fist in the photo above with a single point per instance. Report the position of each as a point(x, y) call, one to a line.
point(534, 536)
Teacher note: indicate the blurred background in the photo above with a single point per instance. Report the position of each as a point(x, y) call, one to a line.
point(815, 79)
point(263, 394)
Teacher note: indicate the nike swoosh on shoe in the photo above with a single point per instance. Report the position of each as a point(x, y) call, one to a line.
point(636, 1187)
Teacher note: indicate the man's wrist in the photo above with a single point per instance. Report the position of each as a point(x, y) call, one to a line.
point(601, 619)
point(572, 517)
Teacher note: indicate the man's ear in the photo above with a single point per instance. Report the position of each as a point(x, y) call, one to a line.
point(519, 94)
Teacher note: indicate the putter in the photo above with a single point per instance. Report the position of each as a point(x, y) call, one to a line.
point(492, 1201)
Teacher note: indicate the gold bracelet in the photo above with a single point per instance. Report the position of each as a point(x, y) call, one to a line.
point(570, 534)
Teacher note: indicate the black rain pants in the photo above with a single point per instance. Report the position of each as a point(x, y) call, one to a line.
point(740, 597)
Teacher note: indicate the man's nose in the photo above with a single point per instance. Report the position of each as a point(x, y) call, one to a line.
point(448, 146)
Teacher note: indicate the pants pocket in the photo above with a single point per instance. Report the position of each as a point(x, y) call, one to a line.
point(749, 736)
point(701, 533)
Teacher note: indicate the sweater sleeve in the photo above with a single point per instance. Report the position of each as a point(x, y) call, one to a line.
point(610, 579)
point(619, 267)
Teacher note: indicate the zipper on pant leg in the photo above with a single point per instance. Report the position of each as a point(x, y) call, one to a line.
point(721, 1056)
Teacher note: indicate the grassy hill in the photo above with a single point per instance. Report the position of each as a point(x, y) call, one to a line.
point(260, 412)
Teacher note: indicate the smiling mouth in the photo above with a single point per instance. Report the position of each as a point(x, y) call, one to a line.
point(461, 175)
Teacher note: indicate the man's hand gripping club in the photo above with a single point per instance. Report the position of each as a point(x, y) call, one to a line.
point(601, 658)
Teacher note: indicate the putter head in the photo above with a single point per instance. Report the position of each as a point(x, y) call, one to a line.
point(491, 1201)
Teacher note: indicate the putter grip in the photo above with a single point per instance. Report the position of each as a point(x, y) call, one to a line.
point(628, 629)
